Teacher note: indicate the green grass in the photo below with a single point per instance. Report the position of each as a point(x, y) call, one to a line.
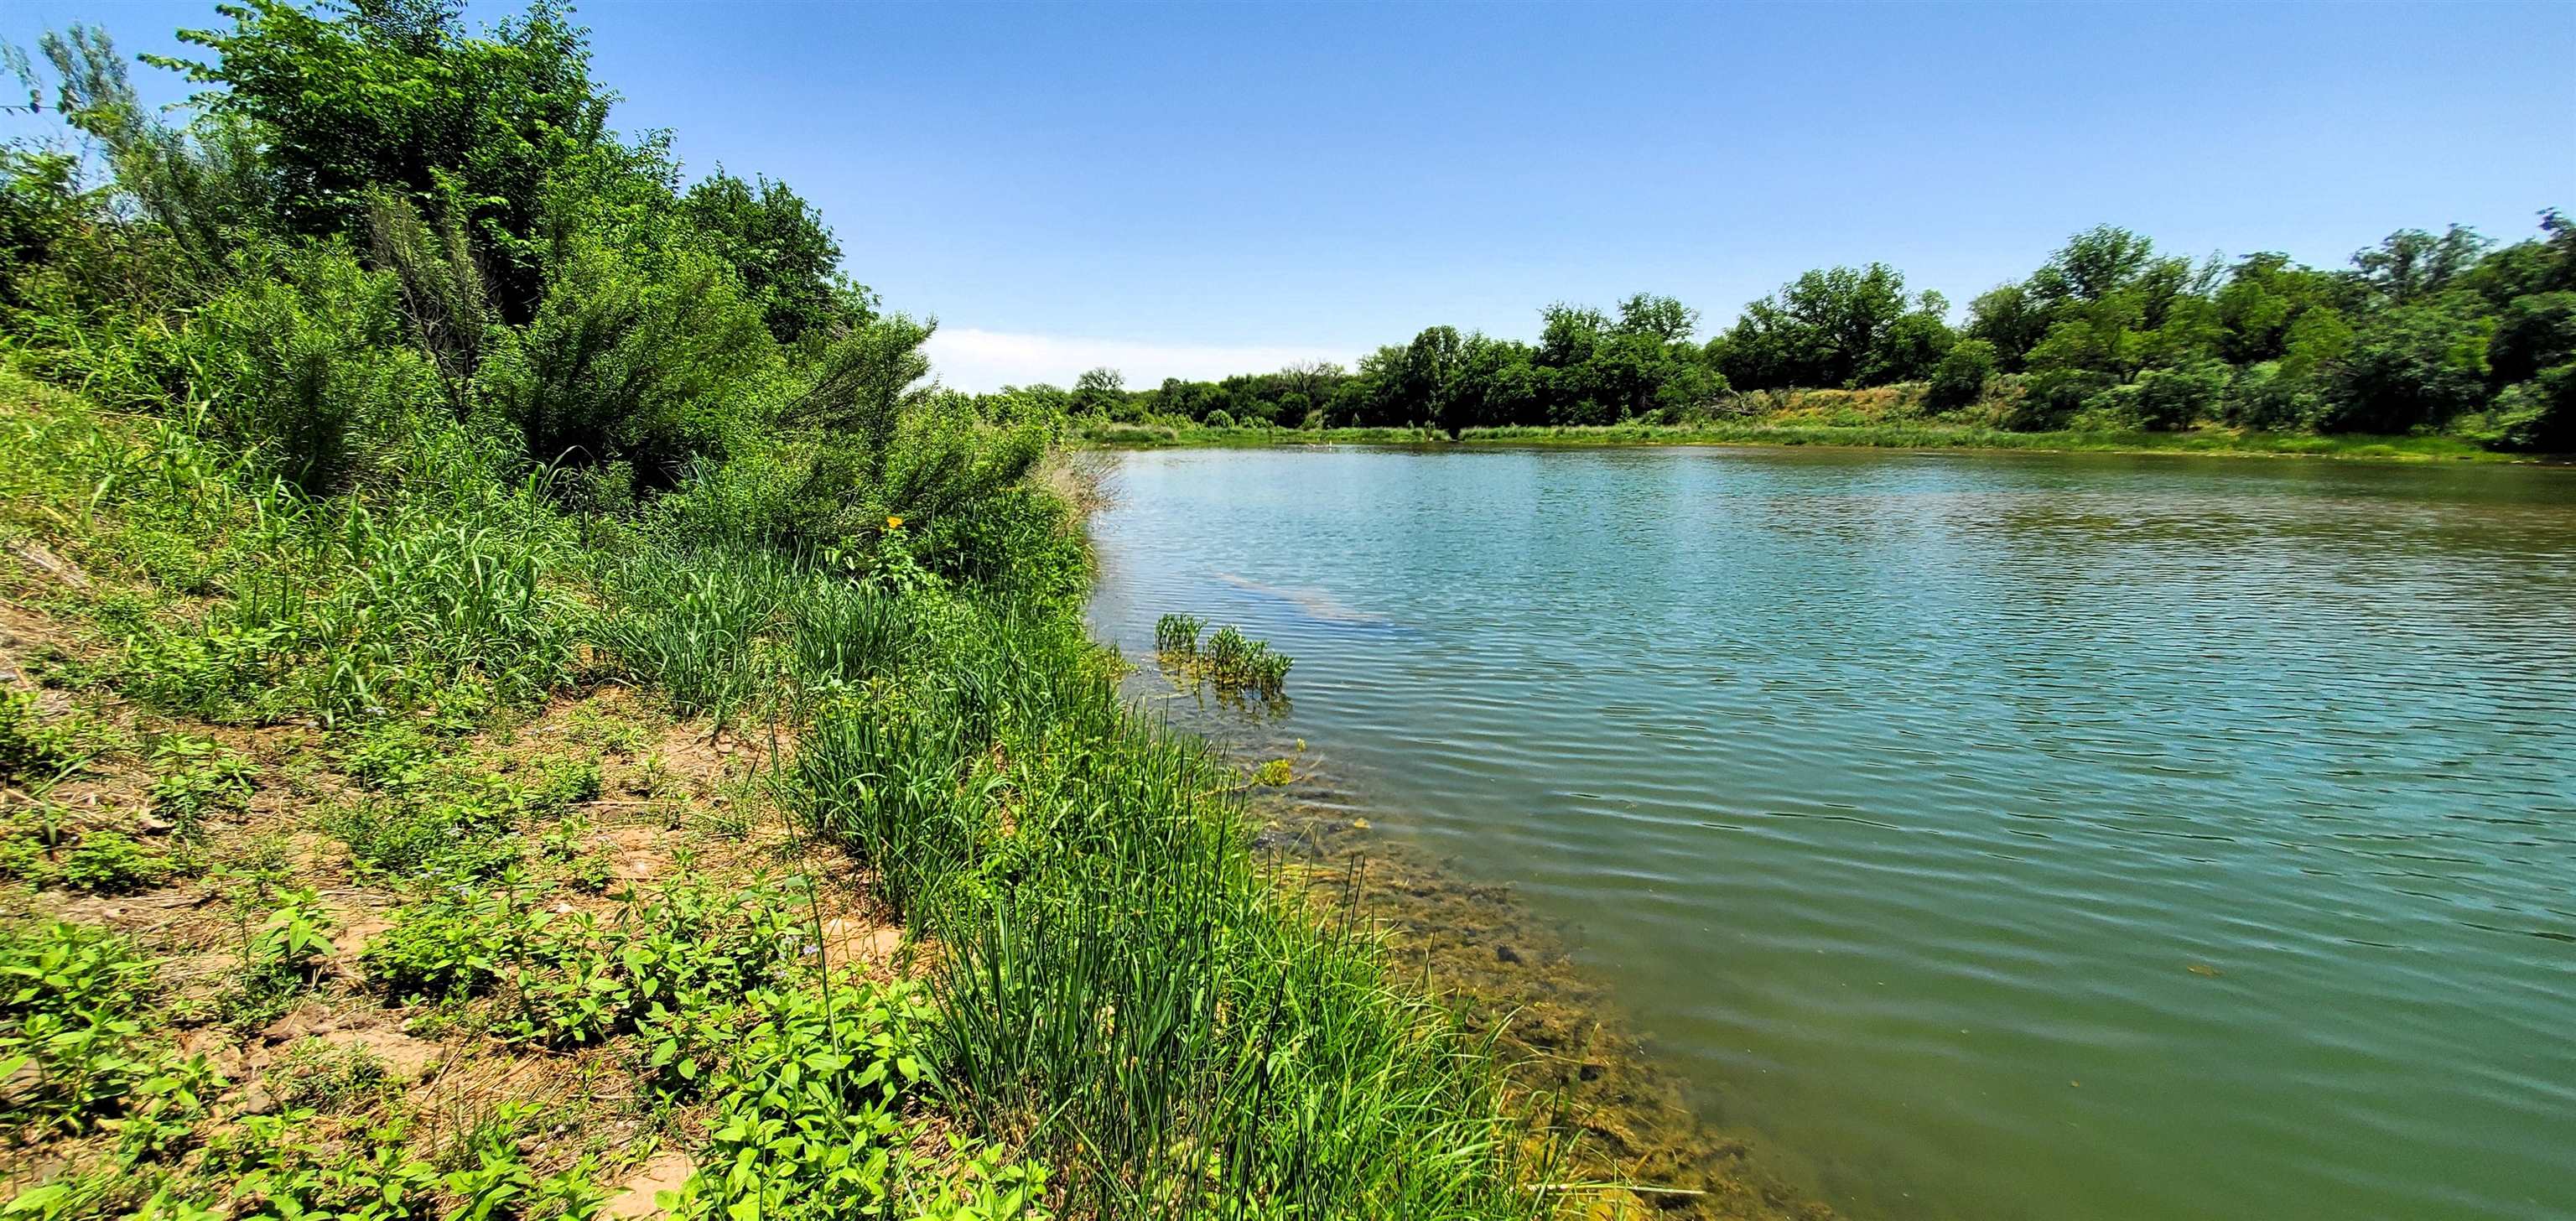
point(1127, 1018)
point(1922, 435)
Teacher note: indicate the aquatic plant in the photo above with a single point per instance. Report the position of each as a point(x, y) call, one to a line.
point(1233, 661)
point(1178, 633)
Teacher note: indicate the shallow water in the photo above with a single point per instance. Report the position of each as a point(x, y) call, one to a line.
point(1997, 836)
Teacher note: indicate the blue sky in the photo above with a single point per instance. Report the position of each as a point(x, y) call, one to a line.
point(1198, 189)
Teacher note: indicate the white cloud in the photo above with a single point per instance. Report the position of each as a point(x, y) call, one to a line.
point(965, 358)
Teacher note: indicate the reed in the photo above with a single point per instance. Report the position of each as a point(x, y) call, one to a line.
point(1178, 634)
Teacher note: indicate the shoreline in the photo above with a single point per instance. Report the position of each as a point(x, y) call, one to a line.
point(2210, 443)
point(1571, 1056)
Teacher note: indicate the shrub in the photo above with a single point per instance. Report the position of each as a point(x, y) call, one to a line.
point(2178, 398)
point(635, 356)
point(1220, 419)
point(2268, 396)
point(1960, 377)
point(307, 371)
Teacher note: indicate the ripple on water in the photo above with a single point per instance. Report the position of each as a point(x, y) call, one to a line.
point(1999, 836)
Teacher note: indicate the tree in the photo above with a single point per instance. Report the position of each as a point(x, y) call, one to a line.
point(2009, 319)
point(1663, 318)
point(1098, 391)
point(395, 95)
point(2534, 332)
point(2410, 264)
point(2092, 265)
point(1909, 348)
point(2409, 366)
point(787, 258)
point(1818, 330)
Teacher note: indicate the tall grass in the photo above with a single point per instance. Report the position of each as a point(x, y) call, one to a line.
point(435, 591)
point(1122, 989)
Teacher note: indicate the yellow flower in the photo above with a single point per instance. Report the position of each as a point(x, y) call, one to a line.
point(893, 522)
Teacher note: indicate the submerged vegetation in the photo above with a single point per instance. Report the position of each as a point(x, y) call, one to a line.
point(572, 716)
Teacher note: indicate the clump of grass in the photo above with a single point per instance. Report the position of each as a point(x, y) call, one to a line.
point(315, 1073)
point(1178, 634)
point(1258, 1063)
point(1233, 661)
point(32, 748)
point(1229, 660)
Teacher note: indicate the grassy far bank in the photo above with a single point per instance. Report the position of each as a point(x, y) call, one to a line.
point(1895, 417)
point(2221, 442)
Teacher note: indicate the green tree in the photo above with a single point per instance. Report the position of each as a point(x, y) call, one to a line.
point(1912, 346)
point(1818, 330)
point(2533, 332)
point(395, 95)
point(1100, 391)
point(2411, 264)
point(2410, 366)
point(787, 258)
point(1662, 318)
point(2010, 319)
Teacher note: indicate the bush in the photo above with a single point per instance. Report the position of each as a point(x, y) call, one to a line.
point(2052, 397)
point(2267, 396)
point(1960, 377)
point(2539, 415)
point(1220, 419)
point(307, 371)
point(642, 357)
point(2178, 398)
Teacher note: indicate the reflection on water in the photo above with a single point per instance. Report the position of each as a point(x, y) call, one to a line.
point(2001, 836)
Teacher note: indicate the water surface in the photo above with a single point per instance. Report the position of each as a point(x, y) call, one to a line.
point(2010, 836)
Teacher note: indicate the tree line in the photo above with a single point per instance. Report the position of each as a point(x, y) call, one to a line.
point(2423, 332)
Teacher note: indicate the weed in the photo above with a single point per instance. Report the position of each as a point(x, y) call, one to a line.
point(198, 778)
point(31, 749)
point(450, 946)
point(105, 862)
point(314, 1073)
point(74, 1006)
point(281, 958)
point(1178, 633)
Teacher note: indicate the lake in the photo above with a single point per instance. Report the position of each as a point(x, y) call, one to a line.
point(1995, 836)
